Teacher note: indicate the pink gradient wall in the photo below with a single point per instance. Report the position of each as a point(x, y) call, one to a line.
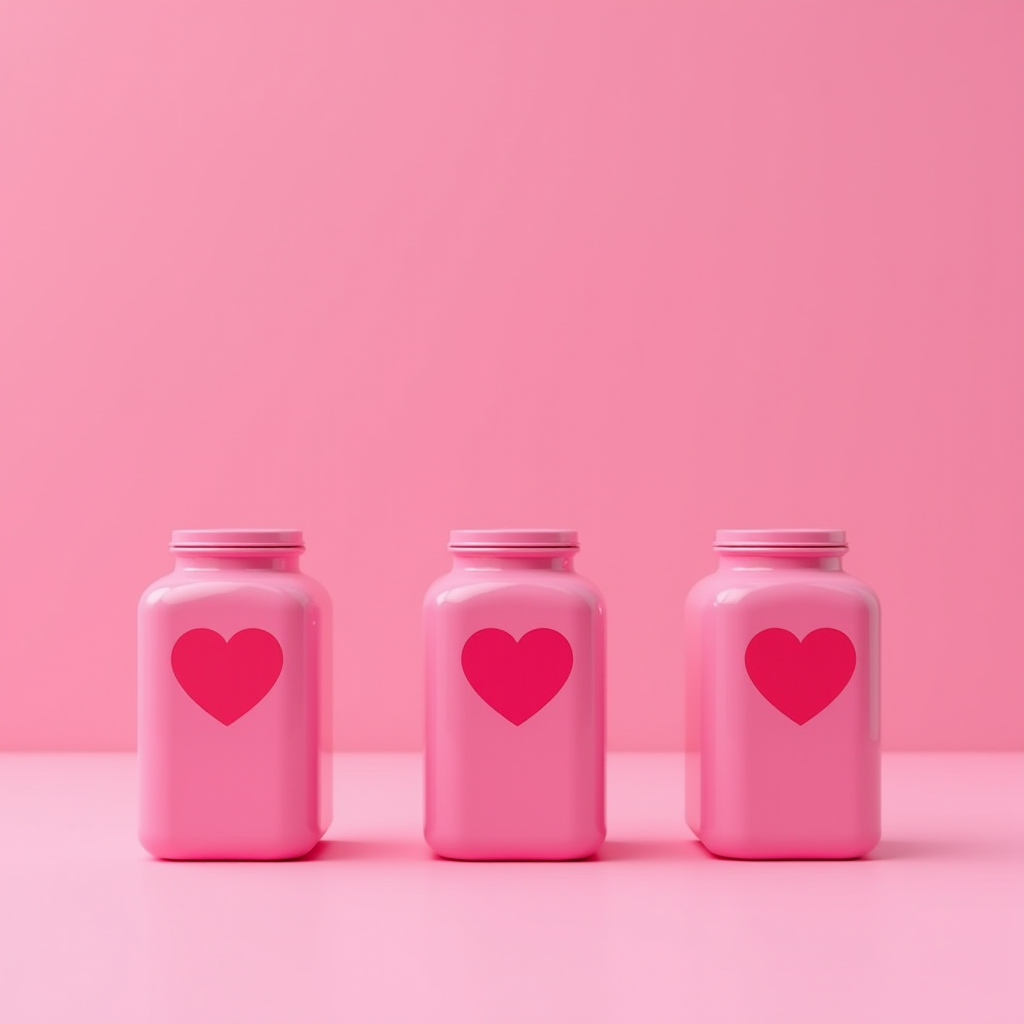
point(378, 269)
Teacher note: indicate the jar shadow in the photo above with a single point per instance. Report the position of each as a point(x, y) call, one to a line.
point(368, 849)
point(651, 850)
point(411, 849)
point(945, 849)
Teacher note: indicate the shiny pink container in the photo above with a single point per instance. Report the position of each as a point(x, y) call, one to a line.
point(782, 688)
point(234, 700)
point(515, 700)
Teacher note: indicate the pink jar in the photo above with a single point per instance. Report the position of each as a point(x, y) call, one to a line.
point(782, 728)
point(234, 700)
point(515, 700)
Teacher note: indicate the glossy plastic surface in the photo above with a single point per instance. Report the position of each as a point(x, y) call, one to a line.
point(243, 538)
point(234, 709)
point(782, 729)
point(514, 538)
point(789, 538)
point(515, 709)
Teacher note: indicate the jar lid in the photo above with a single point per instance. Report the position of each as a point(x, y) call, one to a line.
point(513, 539)
point(800, 538)
point(237, 538)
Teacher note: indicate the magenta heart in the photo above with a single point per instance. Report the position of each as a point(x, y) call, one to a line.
point(227, 678)
point(800, 678)
point(517, 679)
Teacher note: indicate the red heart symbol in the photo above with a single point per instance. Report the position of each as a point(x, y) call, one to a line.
point(799, 678)
point(227, 678)
point(517, 679)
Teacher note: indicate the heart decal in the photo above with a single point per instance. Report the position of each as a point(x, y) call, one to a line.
point(517, 679)
point(227, 678)
point(800, 678)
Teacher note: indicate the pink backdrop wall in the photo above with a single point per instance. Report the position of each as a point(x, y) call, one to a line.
point(378, 269)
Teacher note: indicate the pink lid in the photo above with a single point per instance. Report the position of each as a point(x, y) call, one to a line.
point(244, 538)
point(780, 539)
point(513, 539)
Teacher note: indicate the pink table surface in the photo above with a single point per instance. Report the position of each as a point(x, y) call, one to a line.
point(371, 928)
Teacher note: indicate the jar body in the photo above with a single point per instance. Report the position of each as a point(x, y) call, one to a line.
point(782, 681)
point(515, 713)
point(234, 713)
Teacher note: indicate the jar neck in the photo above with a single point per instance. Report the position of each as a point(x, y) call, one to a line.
point(827, 561)
point(559, 560)
point(264, 561)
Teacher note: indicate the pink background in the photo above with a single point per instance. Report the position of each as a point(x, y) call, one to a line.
point(378, 269)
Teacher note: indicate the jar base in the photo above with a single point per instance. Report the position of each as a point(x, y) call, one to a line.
point(483, 851)
point(180, 851)
point(825, 850)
